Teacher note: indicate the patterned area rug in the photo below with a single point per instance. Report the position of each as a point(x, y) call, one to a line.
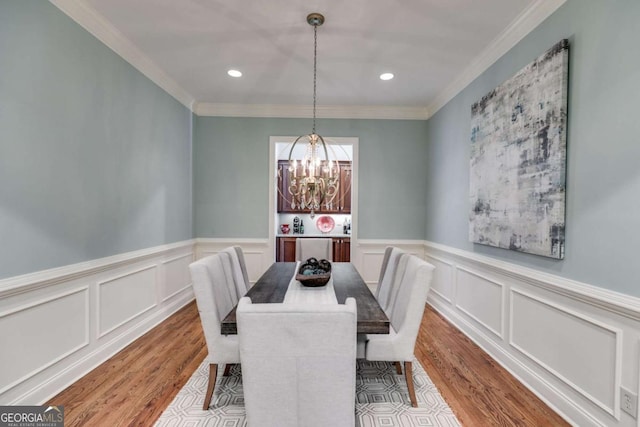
point(381, 400)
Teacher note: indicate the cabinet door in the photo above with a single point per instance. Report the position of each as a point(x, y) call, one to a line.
point(337, 255)
point(345, 187)
point(284, 198)
point(341, 250)
point(346, 250)
point(286, 249)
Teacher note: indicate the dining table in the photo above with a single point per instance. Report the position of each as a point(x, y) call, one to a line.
point(278, 285)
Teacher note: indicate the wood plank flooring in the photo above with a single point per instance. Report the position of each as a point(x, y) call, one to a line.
point(134, 386)
point(479, 391)
point(137, 384)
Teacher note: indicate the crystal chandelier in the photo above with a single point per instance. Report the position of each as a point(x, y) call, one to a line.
point(314, 179)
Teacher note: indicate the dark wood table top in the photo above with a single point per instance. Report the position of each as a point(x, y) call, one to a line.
point(273, 285)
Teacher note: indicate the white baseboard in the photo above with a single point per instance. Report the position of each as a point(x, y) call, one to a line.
point(51, 320)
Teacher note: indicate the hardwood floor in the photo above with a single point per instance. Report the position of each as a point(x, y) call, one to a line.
point(134, 386)
point(479, 391)
point(137, 384)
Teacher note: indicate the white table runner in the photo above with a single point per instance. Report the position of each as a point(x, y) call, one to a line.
point(297, 293)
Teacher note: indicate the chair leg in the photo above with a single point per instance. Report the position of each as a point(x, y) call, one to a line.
point(227, 369)
point(213, 372)
point(409, 376)
point(398, 368)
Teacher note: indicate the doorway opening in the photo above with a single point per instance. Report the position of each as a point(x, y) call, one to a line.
point(343, 216)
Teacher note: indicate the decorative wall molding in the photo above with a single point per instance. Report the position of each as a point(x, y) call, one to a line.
point(614, 408)
point(138, 279)
point(526, 22)
point(45, 278)
point(614, 302)
point(173, 285)
point(438, 280)
point(67, 329)
point(306, 111)
point(40, 302)
point(570, 343)
point(85, 16)
point(88, 18)
point(478, 300)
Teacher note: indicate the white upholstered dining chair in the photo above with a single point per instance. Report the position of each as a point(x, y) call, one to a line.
point(319, 248)
point(214, 300)
point(414, 281)
point(298, 363)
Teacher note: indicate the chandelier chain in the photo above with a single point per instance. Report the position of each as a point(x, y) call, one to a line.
point(315, 62)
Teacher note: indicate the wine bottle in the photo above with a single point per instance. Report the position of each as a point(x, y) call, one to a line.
point(301, 227)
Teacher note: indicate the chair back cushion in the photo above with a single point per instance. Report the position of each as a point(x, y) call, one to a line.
point(385, 290)
point(240, 286)
point(298, 363)
point(307, 247)
point(243, 266)
point(219, 268)
point(383, 267)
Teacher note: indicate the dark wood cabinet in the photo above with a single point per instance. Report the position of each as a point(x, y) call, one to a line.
point(284, 198)
point(345, 188)
point(286, 249)
point(342, 249)
point(340, 204)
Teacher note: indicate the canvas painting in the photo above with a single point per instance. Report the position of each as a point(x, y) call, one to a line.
point(518, 159)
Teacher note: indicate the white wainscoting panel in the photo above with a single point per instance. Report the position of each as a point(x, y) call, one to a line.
point(443, 282)
point(572, 344)
point(480, 298)
point(41, 343)
point(370, 264)
point(176, 277)
point(557, 338)
point(62, 323)
point(125, 297)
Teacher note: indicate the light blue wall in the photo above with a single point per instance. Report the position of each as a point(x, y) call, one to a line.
point(603, 171)
point(95, 159)
point(231, 174)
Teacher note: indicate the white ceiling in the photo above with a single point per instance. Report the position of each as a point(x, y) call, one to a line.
point(432, 46)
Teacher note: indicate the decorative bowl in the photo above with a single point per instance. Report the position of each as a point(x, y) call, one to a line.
point(314, 273)
point(325, 224)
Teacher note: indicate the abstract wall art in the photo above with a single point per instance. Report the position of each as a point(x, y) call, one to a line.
point(518, 159)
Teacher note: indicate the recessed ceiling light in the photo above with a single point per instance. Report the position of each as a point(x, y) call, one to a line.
point(234, 73)
point(386, 76)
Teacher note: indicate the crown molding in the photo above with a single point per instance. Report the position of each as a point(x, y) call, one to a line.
point(306, 111)
point(85, 16)
point(526, 22)
point(103, 30)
